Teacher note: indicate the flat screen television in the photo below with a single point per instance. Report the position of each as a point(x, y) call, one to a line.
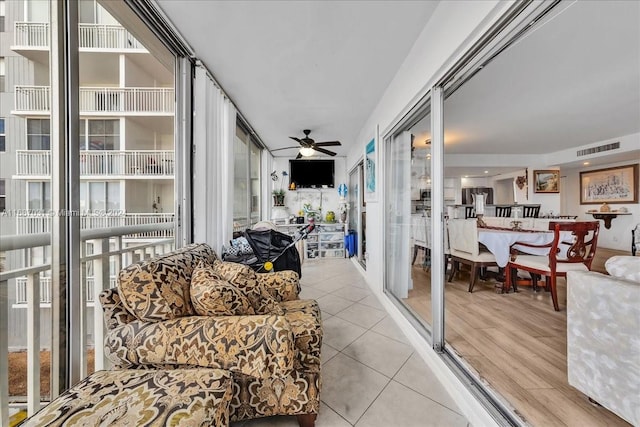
point(312, 173)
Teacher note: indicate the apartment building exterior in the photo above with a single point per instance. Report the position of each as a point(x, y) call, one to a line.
point(126, 134)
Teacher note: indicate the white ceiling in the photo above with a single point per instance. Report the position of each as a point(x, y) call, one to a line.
point(294, 65)
point(572, 82)
point(323, 65)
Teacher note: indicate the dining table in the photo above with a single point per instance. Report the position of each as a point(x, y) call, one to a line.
point(500, 240)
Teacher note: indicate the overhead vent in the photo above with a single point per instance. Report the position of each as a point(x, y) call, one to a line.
point(599, 149)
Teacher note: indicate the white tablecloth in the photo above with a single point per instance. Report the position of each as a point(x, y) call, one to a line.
point(499, 242)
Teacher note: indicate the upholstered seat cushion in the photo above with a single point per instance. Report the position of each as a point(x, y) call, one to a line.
point(259, 345)
point(542, 263)
point(158, 289)
point(480, 257)
point(159, 398)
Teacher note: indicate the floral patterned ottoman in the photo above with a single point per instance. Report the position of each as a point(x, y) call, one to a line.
point(133, 397)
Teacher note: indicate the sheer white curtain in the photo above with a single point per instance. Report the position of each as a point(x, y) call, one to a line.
point(398, 215)
point(214, 127)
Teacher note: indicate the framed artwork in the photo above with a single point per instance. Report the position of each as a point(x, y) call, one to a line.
point(371, 169)
point(546, 181)
point(611, 185)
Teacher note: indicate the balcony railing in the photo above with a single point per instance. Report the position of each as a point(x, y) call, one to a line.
point(31, 35)
point(100, 100)
point(45, 289)
point(128, 163)
point(35, 35)
point(34, 288)
point(101, 36)
point(33, 99)
point(126, 100)
point(40, 222)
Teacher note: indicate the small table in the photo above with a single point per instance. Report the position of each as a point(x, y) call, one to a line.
point(607, 217)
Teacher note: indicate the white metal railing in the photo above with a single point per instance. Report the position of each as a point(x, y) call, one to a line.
point(102, 36)
point(145, 163)
point(34, 222)
point(32, 286)
point(126, 100)
point(104, 100)
point(33, 162)
point(45, 290)
point(31, 34)
point(32, 98)
point(90, 36)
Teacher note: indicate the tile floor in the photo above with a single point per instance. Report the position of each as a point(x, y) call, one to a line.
point(371, 375)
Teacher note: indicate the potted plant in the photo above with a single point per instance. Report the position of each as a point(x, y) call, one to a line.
point(278, 197)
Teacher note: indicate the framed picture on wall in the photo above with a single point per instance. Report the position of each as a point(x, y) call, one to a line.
point(546, 181)
point(611, 185)
point(371, 169)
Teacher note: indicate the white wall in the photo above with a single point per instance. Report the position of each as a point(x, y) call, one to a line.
point(295, 199)
point(140, 196)
point(141, 135)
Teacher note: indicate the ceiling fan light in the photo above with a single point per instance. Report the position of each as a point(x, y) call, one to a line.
point(307, 151)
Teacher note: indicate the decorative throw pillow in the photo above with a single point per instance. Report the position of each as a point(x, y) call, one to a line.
point(157, 289)
point(246, 280)
point(214, 296)
point(624, 267)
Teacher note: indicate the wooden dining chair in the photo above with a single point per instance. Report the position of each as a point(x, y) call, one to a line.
point(530, 211)
point(573, 248)
point(465, 249)
point(469, 212)
point(503, 211)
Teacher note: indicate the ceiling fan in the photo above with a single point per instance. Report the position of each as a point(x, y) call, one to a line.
point(308, 146)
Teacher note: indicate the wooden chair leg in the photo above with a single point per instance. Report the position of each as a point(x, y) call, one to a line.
point(514, 279)
point(306, 420)
point(554, 292)
point(474, 275)
point(454, 269)
point(506, 285)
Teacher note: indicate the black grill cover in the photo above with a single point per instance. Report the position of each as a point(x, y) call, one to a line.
point(268, 245)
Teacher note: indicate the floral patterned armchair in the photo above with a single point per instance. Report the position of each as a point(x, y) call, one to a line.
point(189, 309)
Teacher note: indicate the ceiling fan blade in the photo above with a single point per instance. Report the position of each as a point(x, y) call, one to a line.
point(296, 139)
point(286, 148)
point(327, 143)
point(322, 150)
point(299, 156)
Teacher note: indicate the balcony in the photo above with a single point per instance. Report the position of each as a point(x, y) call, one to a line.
point(99, 101)
point(101, 164)
point(34, 222)
point(34, 36)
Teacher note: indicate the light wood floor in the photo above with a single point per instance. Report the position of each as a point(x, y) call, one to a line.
point(517, 344)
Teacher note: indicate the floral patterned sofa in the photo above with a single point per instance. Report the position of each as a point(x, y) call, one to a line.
point(189, 309)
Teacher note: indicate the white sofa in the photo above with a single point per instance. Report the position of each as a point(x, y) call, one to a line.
point(603, 335)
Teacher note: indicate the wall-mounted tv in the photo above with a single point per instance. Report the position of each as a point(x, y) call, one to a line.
point(312, 173)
